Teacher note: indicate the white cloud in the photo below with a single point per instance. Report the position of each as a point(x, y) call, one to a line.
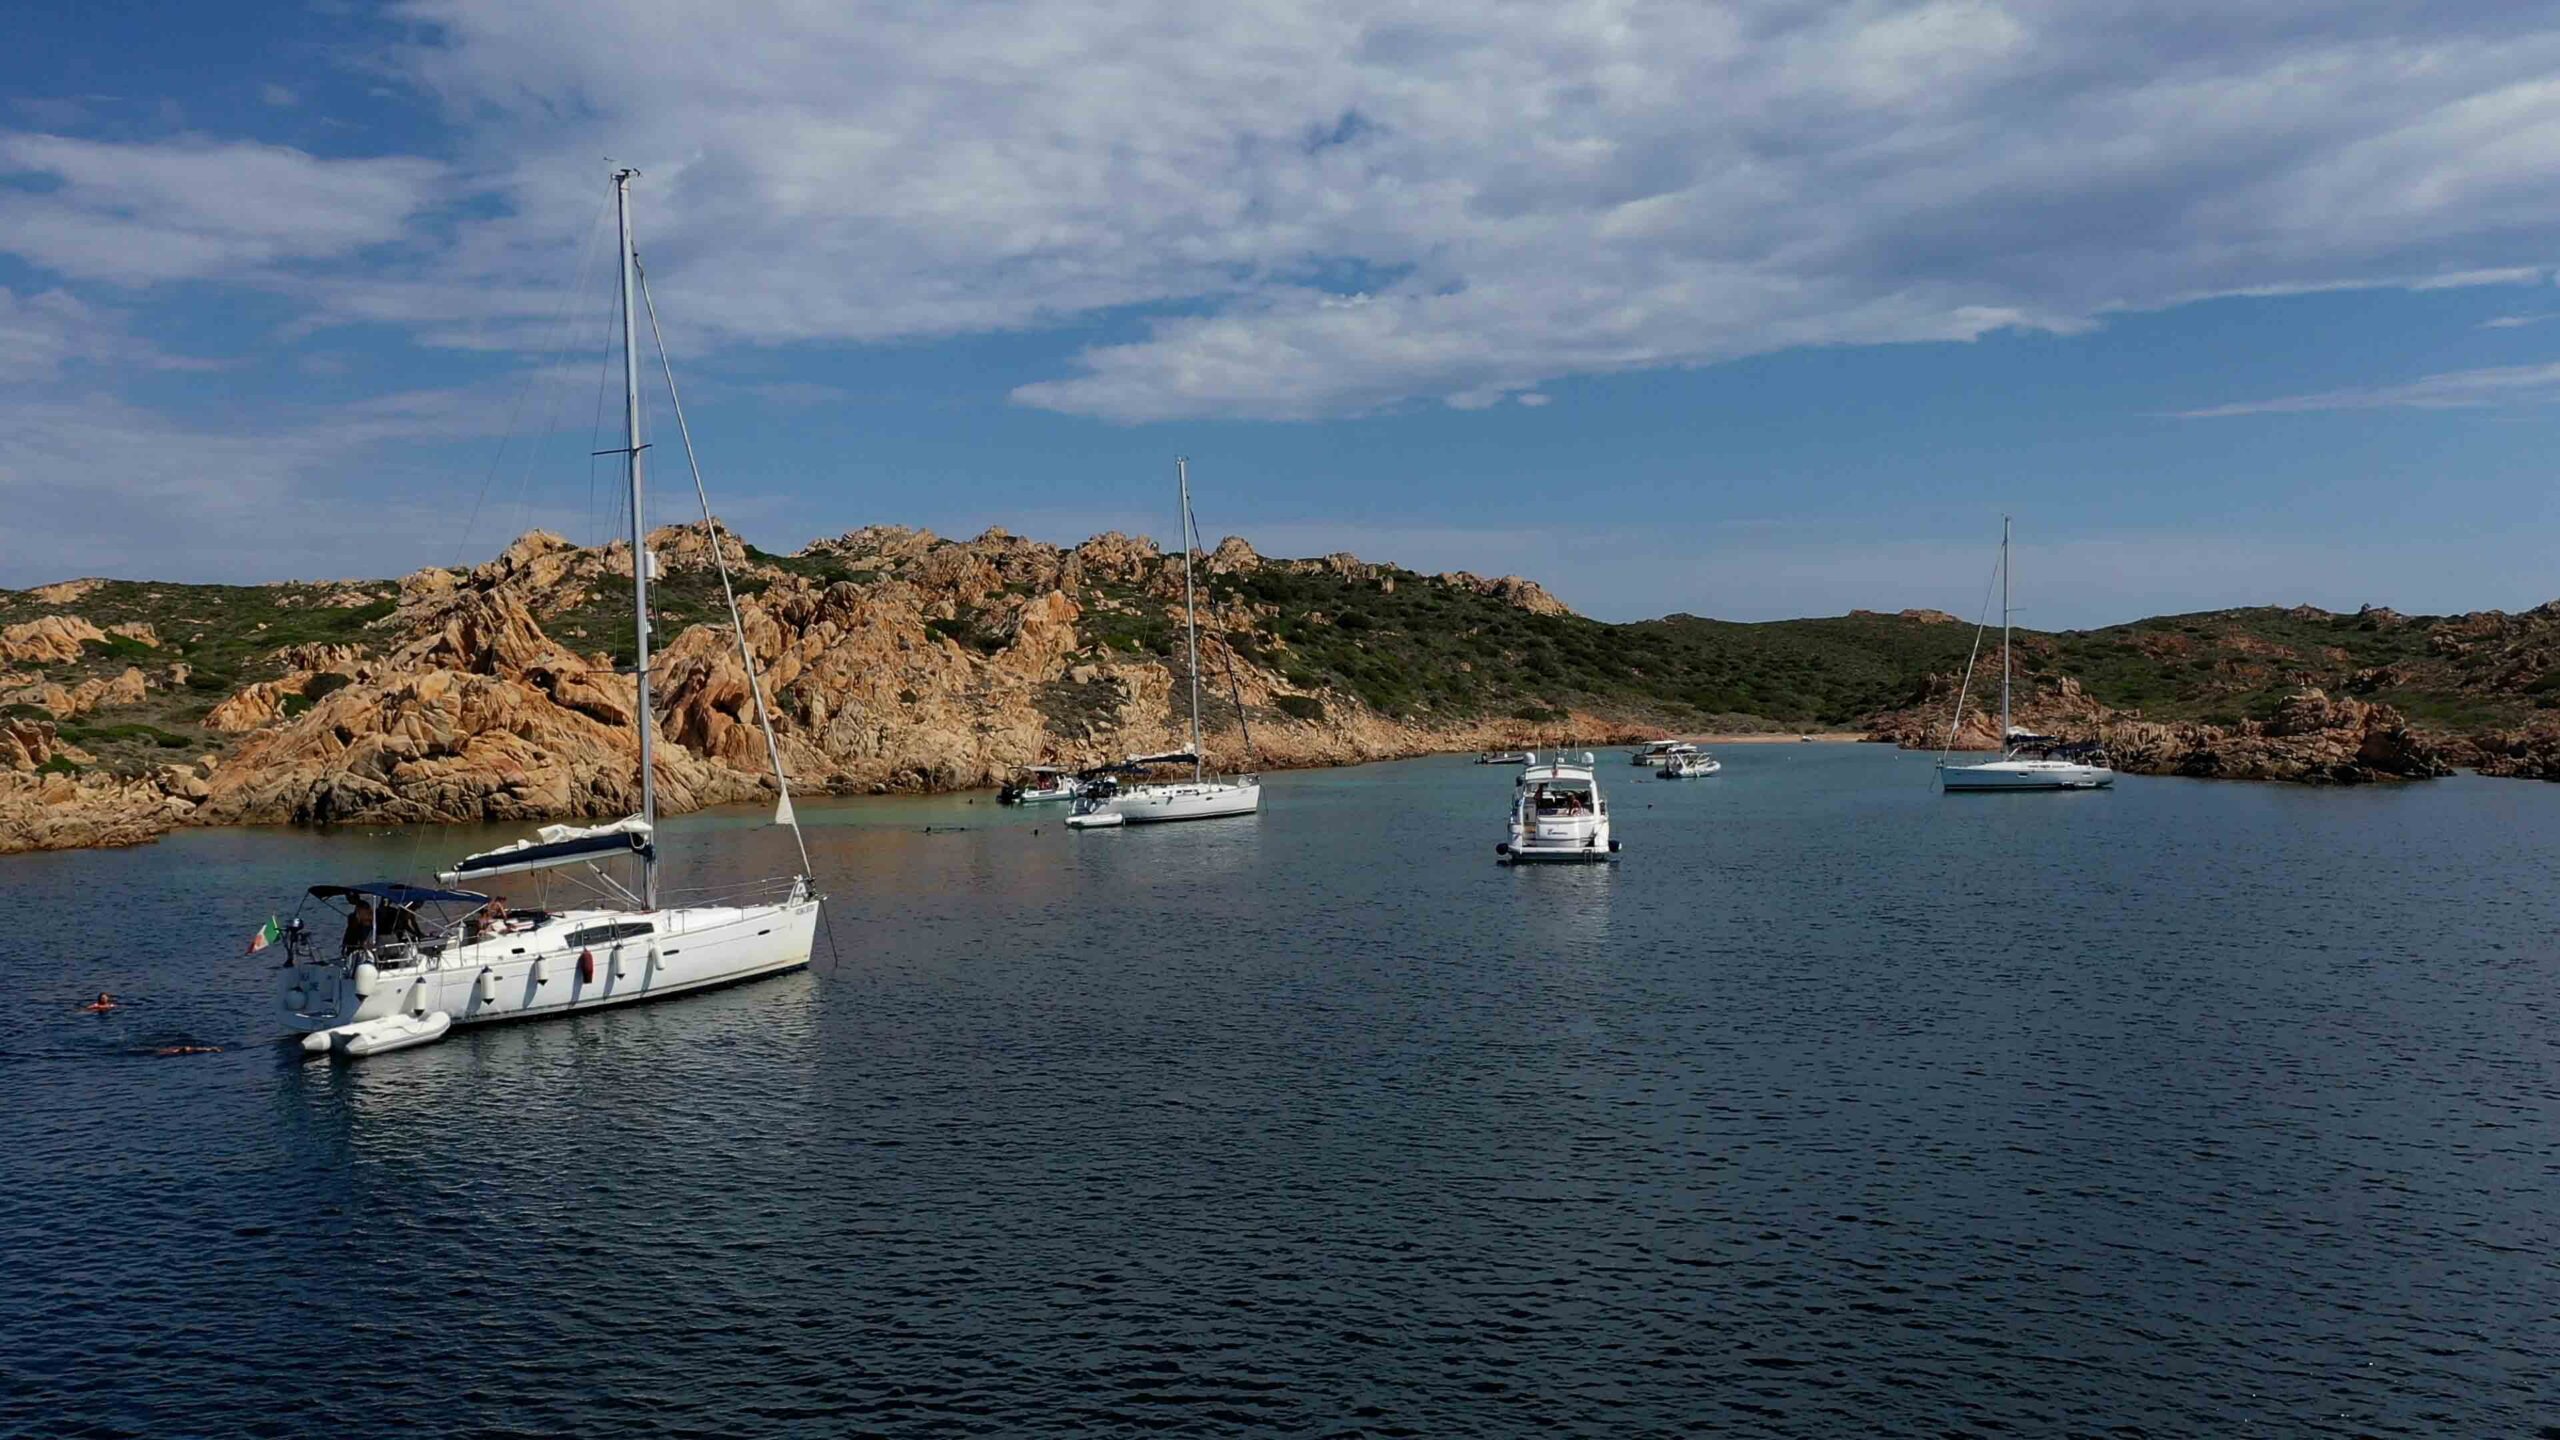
point(1512, 192)
point(339, 490)
point(2451, 390)
point(134, 213)
point(43, 333)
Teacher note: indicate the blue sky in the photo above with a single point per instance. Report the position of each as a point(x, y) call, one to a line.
point(1754, 310)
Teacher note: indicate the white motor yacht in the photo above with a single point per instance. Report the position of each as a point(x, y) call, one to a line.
point(1558, 814)
point(2027, 761)
point(415, 961)
point(1656, 751)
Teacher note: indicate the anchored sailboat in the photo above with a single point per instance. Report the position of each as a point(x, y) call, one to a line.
point(419, 960)
point(2028, 761)
point(1103, 806)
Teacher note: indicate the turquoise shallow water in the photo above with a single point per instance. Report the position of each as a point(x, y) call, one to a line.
point(1838, 1106)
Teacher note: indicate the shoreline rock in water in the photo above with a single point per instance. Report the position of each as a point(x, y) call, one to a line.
point(2311, 739)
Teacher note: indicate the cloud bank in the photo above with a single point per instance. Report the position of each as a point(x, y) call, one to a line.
point(1302, 210)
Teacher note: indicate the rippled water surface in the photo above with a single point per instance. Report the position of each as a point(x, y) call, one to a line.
point(1838, 1107)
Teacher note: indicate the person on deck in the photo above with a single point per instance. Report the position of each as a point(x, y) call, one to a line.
point(489, 919)
point(359, 928)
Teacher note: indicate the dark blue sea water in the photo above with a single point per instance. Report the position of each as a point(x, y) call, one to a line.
point(1838, 1107)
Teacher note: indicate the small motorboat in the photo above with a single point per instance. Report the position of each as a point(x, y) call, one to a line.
point(1040, 784)
point(1696, 766)
point(1502, 757)
point(1558, 814)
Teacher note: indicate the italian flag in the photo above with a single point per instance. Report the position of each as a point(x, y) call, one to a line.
point(267, 935)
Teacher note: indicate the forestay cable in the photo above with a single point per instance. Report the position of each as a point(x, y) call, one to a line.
point(782, 812)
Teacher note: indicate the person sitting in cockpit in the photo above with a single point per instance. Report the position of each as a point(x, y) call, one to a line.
point(359, 928)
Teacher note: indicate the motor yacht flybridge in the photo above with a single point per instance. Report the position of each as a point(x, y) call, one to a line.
point(1107, 803)
point(418, 960)
point(1557, 814)
point(2028, 761)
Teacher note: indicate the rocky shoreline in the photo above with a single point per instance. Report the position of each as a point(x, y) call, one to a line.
point(2312, 738)
point(898, 661)
point(469, 708)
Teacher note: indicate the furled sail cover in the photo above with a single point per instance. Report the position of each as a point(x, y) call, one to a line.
point(557, 845)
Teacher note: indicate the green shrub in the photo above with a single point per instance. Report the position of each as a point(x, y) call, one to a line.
point(1299, 707)
point(58, 765)
point(120, 647)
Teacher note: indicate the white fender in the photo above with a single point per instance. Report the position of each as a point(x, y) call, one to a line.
point(295, 998)
point(418, 998)
point(656, 963)
point(541, 971)
point(486, 988)
point(619, 968)
point(366, 978)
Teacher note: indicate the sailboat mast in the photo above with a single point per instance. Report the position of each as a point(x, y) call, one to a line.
point(1190, 615)
point(2004, 633)
point(639, 532)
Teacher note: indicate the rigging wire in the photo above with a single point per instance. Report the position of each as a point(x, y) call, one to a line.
point(1227, 653)
point(561, 325)
point(711, 532)
point(1956, 721)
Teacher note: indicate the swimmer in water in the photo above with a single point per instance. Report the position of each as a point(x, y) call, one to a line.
point(100, 1006)
point(188, 1050)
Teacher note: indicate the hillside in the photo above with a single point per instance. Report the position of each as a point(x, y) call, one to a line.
point(901, 660)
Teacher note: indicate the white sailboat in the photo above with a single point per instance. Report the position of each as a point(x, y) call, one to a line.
point(2026, 760)
point(1109, 804)
point(419, 960)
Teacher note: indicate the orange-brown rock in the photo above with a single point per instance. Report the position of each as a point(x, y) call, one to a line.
point(64, 592)
point(343, 659)
point(255, 705)
point(2531, 752)
point(2313, 738)
point(1528, 595)
point(41, 811)
point(47, 640)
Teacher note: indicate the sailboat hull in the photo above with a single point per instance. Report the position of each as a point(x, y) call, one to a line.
point(585, 960)
point(2007, 775)
point(1207, 800)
